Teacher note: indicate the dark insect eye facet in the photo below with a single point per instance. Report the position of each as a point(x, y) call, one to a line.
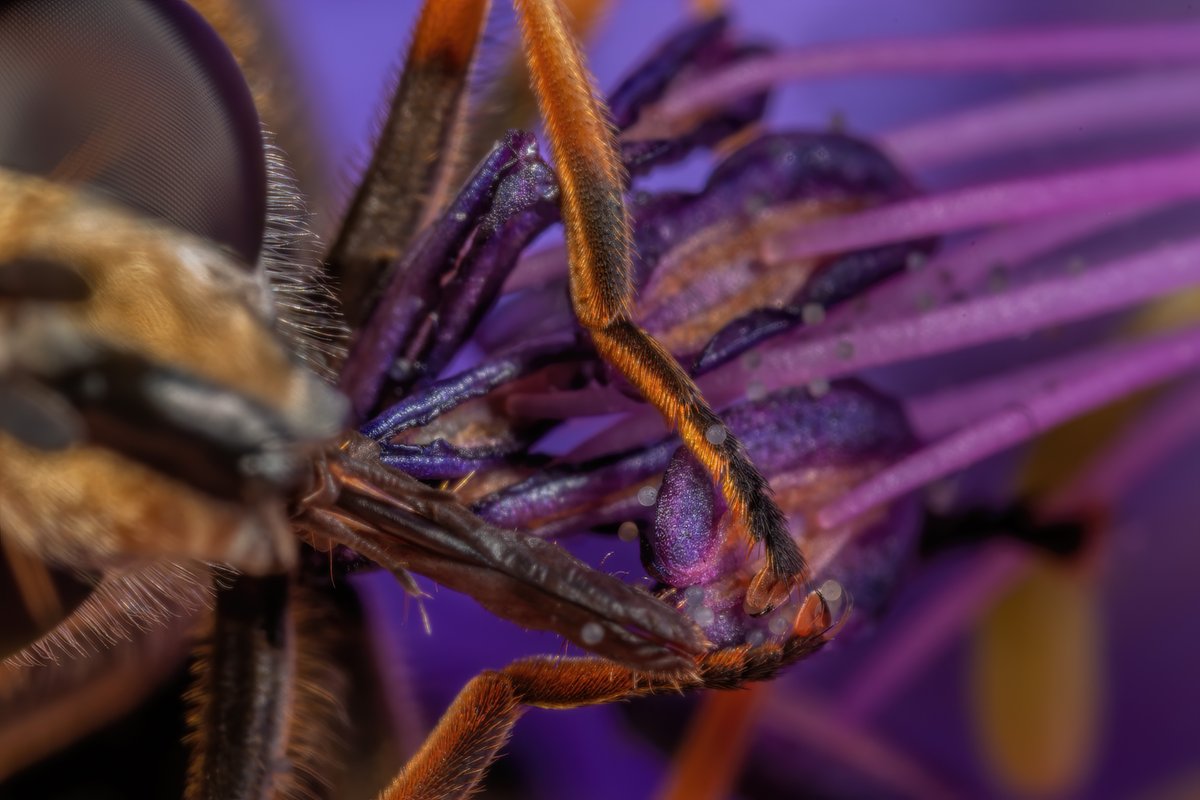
point(141, 100)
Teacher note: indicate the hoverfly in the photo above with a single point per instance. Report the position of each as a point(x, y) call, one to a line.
point(167, 430)
point(164, 425)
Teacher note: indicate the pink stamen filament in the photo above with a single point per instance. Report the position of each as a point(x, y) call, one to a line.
point(1064, 115)
point(1127, 185)
point(1153, 179)
point(803, 719)
point(1110, 106)
point(1072, 49)
point(538, 268)
point(941, 413)
point(964, 267)
point(917, 640)
point(1110, 287)
point(1163, 428)
point(1157, 360)
point(1102, 289)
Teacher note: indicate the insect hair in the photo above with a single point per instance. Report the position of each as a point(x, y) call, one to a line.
point(128, 600)
point(307, 315)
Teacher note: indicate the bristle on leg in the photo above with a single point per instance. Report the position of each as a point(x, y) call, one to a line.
point(592, 183)
point(465, 742)
point(415, 163)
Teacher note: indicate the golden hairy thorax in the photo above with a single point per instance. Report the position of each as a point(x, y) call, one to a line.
point(87, 506)
point(171, 298)
point(174, 300)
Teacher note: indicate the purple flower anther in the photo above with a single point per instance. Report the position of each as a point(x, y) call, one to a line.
point(441, 461)
point(838, 167)
point(782, 431)
point(831, 283)
point(642, 155)
point(718, 609)
point(799, 165)
point(769, 171)
point(848, 424)
point(689, 55)
point(414, 286)
point(744, 333)
point(802, 441)
point(649, 80)
point(421, 408)
point(844, 277)
point(557, 489)
point(525, 204)
point(871, 565)
point(682, 548)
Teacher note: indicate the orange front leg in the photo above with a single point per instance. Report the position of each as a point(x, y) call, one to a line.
point(592, 182)
point(455, 757)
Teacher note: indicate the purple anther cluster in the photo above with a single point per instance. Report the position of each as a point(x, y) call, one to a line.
point(388, 352)
point(688, 56)
point(451, 427)
point(689, 549)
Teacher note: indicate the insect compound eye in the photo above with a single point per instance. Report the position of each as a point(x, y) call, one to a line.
point(140, 99)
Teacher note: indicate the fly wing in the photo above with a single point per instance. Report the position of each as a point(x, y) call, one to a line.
point(404, 525)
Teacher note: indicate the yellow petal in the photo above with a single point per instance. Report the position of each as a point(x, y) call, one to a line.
point(1036, 682)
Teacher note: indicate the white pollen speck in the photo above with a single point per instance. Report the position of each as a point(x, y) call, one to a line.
point(716, 434)
point(647, 495)
point(755, 638)
point(812, 313)
point(755, 391)
point(831, 590)
point(834, 596)
point(705, 616)
point(781, 624)
point(940, 495)
point(628, 531)
point(752, 360)
point(694, 594)
point(591, 634)
point(460, 216)
point(818, 387)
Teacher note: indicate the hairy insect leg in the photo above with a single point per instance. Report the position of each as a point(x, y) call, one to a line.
point(415, 160)
point(98, 664)
point(456, 756)
point(592, 182)
point(241, 698)
point(507, 100)
point(404, 526)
